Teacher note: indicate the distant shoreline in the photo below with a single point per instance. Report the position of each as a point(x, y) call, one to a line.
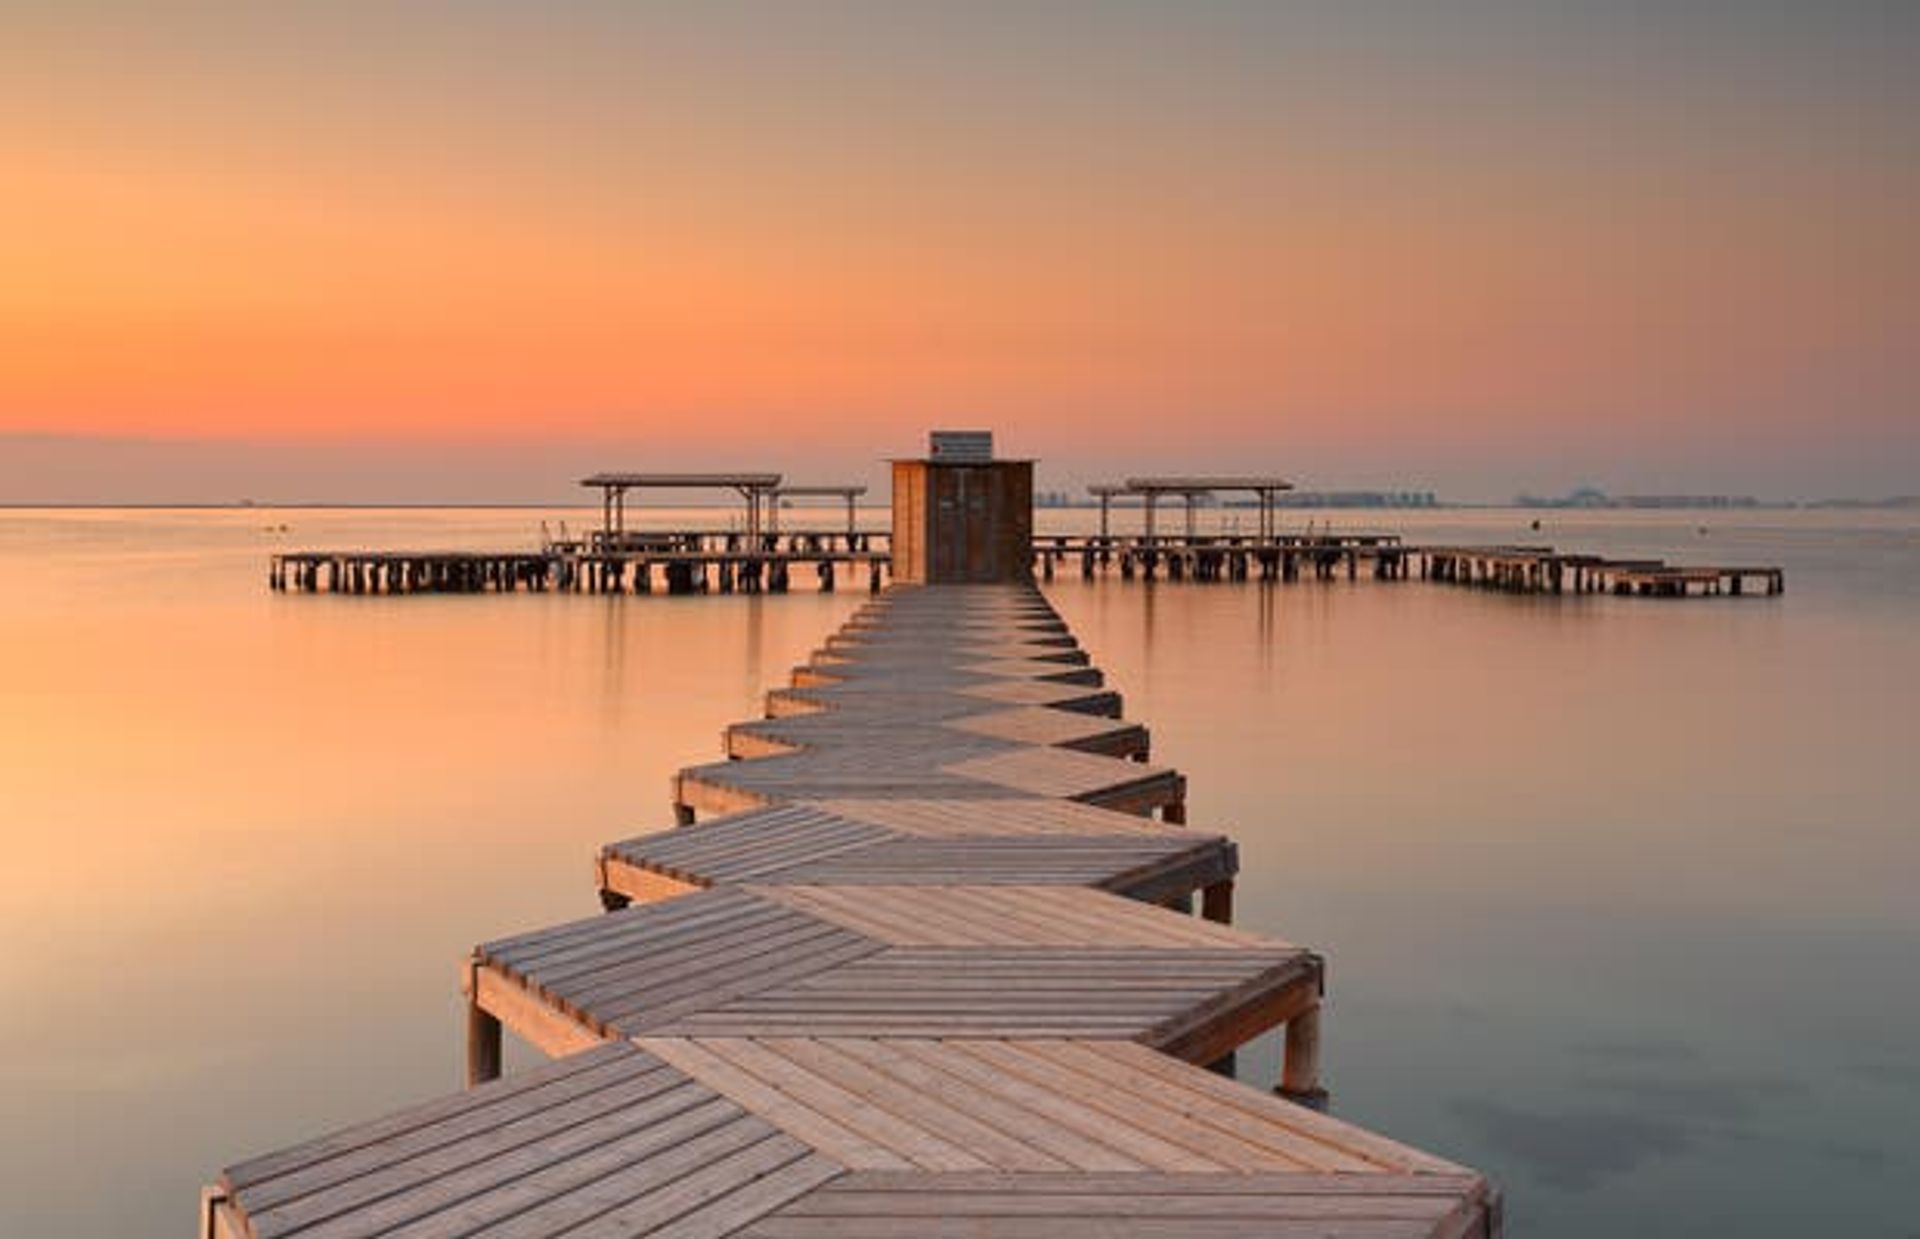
point(1896, 504)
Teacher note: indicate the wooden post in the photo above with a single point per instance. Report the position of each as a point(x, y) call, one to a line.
point(1216, 902)
point(1300, 1070)
point(483, 1042)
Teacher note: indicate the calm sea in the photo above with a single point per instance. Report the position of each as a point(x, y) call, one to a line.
point(1619, 896)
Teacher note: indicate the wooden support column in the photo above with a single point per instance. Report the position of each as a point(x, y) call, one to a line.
point(483, 1043)
point(1300, 1069)
point(1216, 902)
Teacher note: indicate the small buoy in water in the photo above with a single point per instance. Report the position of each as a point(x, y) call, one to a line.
point(1536, 524)
point(1701, 530)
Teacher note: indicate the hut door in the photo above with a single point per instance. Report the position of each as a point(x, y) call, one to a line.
point(951, 513)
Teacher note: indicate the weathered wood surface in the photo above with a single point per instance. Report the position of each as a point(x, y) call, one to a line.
point(1017, 724)
point(928, 704)
point(830, 1136)
point(610, 1142)
point(917, 762)
point(886, 961)
point(915, 841)
point(990, 1108)
point(895, 990)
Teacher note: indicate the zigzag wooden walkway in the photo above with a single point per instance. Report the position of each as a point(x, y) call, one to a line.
point(932, 970)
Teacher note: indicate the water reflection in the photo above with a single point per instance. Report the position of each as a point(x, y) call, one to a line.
point(249, 835)
point(1612, 892)
point(1618, 896)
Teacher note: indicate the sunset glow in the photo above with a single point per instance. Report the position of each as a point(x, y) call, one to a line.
point(1325, 242)
point(1153, 619)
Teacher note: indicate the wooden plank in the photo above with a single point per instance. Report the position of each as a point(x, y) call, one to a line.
point(643, 885)
point(648, 1014)
point(497, 1192)
point(715, 1154)
point(419, 1183)
point(1383, 1152)
point(587, 1070)
point(1013, 815)
point(1008, 915)
point(1275, 1144)
point(918, 1145)
point(778, 1162)
point(1143, 1149)
point(861, 1074)
point(1147, 1183)
point(528, 1017)
point(726, 1214)
point(831, 1134)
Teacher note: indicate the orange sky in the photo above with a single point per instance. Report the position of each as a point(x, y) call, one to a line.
point(1467, 250)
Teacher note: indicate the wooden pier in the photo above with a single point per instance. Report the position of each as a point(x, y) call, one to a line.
point(682, 562)
point(1385, 557)
point(1542, 570)
point(930, 971)
point(1269, 555)
point(1196, 557)
point(707, 561)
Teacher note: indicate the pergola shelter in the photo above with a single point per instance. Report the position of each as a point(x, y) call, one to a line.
point(1191, 488)
point(849, 493)
point(751, 487)
point(1104, 492)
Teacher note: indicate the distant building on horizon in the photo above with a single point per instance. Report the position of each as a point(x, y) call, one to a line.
point(1357, 499)
point(1594, 497)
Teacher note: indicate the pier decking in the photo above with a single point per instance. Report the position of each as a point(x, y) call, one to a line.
point(726, 562)
point(1385, 557)
point(909, 842)
point(680, 562)
point(929, 973)
point(853, 1138)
